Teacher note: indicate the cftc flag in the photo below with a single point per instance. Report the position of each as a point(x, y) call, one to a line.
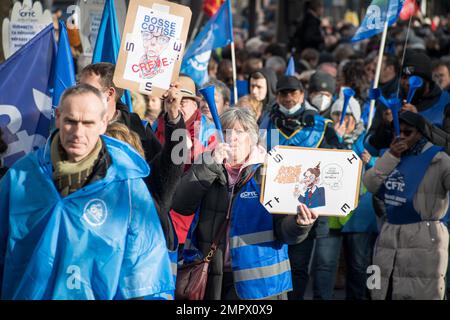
point(217, 33)
point(25, 102)
point(377, 14)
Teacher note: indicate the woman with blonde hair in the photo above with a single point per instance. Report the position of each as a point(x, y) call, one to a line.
point(121, 132)
point(253, 104)
point(139, 104)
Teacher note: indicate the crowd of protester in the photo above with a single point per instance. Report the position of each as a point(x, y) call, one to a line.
point(171, 211)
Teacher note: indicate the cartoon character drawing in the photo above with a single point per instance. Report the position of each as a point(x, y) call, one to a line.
point(313, 195)
point(154, 44)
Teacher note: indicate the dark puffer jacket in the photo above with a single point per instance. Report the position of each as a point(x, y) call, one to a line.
point(207, 185)
point(165, 174)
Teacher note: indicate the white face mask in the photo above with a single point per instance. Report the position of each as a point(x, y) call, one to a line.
point(291, 111)
point(321, 102)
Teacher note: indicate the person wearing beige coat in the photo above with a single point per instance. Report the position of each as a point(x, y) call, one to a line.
point(412, 247)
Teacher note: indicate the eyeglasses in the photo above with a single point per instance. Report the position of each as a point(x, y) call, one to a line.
point(161, 39)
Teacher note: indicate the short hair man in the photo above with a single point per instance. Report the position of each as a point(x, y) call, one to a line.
point(441, 75)
point(222, 96)
point(165, 173)
point(77, 220)
point(262, 87)
point(100, 75)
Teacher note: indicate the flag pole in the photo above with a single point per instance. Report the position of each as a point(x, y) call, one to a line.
point(403, 57)
point(378, 71)
point(233, 55)
point(233, 59)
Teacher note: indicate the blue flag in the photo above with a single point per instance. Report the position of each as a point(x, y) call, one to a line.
point(242, 89)
point(217, 33)
point(290, 70)
point(64, 69)
point(377, 14)
point(107, 45)
point(25, 102)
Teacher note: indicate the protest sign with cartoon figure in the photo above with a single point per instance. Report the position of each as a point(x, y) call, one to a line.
point(152, 46)
point(327, 181)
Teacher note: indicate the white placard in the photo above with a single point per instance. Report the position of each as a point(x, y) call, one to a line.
point(27, 20)
point(21, 33)
point(152, 47)
point(327, 181)
point(154, 57)
point(90, 18)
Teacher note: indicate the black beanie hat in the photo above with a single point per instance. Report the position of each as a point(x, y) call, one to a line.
point(418, 64)
point(413, 119)
point(321, 81)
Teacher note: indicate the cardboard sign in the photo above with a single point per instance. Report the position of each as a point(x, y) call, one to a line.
point(327, 181)
point(90, 17)
point(27, 20)
point(152, 46)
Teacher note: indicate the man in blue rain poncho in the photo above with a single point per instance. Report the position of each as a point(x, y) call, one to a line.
point(76, 219)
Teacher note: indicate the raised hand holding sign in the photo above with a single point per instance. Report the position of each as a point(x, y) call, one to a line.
point(326, 181)
point(152, 46)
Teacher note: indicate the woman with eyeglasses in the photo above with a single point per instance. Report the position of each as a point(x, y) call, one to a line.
point(251, 260)
point(413, 180)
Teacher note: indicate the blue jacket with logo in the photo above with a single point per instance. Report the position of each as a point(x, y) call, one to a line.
point(103, 241)
point(308, 137)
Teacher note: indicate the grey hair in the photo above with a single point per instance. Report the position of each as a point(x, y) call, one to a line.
point(80, 89)
point(276, 63)
point(245, 117)
point(221, 87)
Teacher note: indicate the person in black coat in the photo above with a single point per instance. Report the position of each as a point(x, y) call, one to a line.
point(212, 186)
point(164, 174)
point(309, 32)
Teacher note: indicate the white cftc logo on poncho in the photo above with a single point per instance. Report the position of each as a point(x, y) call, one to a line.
point(95, 212)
